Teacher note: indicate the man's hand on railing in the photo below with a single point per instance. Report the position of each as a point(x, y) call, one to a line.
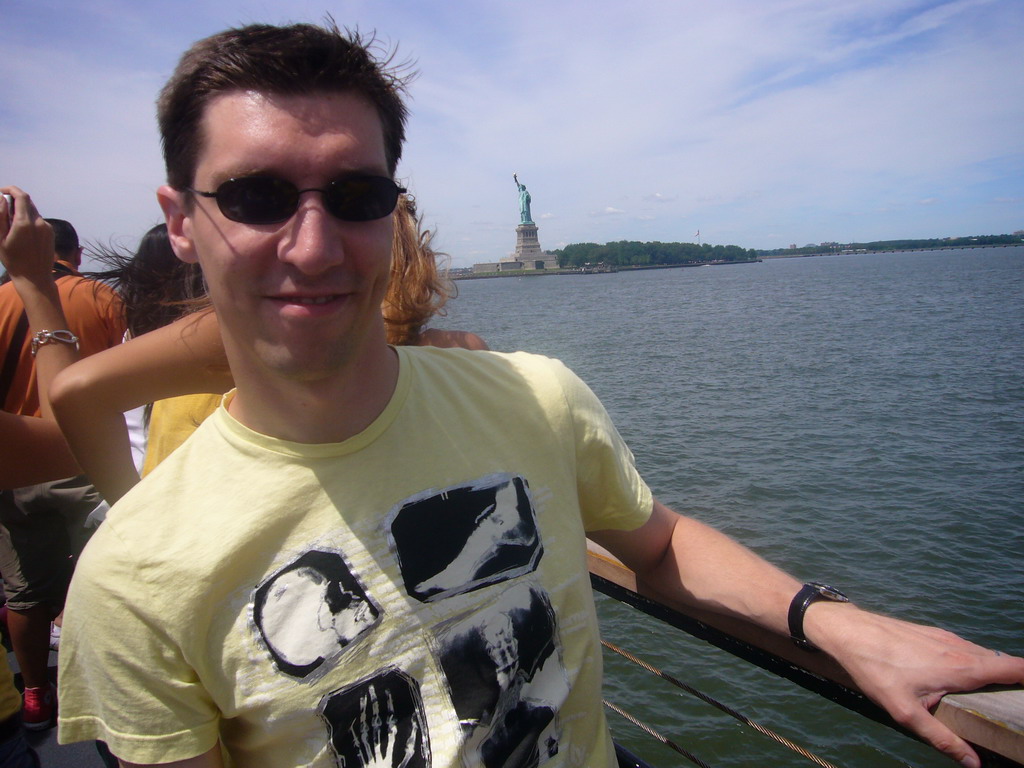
point(903, 667)
point(907, 668)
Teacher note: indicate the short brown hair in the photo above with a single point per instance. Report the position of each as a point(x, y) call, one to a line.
point(291, 60)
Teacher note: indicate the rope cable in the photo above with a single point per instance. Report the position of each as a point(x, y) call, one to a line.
point(717, 704)
point(664, 740)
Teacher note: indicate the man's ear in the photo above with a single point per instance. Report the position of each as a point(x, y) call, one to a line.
point(179, 222)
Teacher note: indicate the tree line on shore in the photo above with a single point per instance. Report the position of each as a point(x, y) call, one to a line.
point(900, 245)
point(631, 253)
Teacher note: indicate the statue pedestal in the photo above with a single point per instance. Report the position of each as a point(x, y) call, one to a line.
point(527, 243)
point(528, 255)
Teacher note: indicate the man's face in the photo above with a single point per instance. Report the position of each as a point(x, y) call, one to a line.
point(301, 299)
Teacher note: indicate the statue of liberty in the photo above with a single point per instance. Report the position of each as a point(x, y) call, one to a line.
point(524, 202)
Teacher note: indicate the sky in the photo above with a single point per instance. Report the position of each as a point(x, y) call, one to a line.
point(758, 123)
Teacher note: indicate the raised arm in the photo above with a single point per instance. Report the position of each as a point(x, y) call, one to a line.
point(90, 398)
point(33, 450)
point(905, 668)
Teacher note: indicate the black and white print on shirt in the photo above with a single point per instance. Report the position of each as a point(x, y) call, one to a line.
point(309, 611)
point(506, 679)
point(377, 722)
point(466, 537)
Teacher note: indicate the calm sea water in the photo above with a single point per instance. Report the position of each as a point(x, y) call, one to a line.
point(855, 419)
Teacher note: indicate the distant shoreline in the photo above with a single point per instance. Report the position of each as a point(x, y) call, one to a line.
point(891, 250)
point(577, 271)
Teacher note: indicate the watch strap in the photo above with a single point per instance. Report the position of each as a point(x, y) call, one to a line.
point(809, 594)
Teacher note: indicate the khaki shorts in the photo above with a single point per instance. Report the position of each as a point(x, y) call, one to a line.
point(42, 533)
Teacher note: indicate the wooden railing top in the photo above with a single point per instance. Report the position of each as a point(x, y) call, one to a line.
point(991, 719)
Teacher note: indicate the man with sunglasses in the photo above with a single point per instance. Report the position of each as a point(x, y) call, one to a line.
point(281, 146)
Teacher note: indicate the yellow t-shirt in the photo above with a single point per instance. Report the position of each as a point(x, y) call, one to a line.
point(172, 421)
point(417, 592)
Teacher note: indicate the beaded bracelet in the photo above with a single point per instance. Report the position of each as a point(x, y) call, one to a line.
point(42, 338)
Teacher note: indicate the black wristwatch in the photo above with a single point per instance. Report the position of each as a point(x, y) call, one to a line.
point(809, 593)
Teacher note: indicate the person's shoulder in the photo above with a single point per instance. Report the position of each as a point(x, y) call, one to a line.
point(173, 501)
point(94, 308)
point(86, 291)
point(485, 357)
point(97, 288)
point(511, 369)
point(449, 339)
point(182, 470)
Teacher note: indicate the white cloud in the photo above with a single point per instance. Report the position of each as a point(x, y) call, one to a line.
point(760, 120)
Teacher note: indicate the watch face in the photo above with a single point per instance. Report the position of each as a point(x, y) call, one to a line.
point(830, 592)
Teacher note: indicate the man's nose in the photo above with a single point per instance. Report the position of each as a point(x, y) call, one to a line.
point(312, 241)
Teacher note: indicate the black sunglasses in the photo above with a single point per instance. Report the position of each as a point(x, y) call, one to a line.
point(266, 200)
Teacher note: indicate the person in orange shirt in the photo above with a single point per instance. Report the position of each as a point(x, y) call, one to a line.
point(32, 449)
point(42, 527)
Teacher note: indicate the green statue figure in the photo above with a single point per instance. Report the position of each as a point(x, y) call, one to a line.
point(524, 202)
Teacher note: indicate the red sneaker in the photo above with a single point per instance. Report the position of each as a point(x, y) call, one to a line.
point(39, 708)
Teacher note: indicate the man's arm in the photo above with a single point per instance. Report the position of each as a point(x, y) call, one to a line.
point(209, 759)
point(906, 668)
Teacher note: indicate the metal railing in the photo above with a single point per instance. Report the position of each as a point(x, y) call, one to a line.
point(992, 720)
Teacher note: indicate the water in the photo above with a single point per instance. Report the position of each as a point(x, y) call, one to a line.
point(855, 419)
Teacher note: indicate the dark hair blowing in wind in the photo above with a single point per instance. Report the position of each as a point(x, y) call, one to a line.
point(157, 288)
